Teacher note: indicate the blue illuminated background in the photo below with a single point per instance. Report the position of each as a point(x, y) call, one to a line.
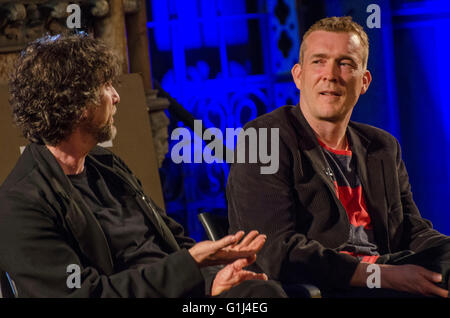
point(228, 61)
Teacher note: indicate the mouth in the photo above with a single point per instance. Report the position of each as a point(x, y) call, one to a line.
point(330, 93)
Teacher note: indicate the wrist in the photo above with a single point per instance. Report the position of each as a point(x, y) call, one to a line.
point(359, 278)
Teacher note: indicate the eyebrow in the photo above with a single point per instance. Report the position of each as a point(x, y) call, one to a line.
point(323, 55)
point(318, 55)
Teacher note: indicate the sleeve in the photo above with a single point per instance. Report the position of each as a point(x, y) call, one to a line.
point(268, 203)
point(209, 272)
point(418, 233)
point(37, 252)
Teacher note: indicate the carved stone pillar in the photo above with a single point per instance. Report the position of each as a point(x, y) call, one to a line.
point(111, 29)
point(159, 123)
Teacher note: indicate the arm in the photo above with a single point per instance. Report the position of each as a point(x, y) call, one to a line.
point(418, 232)
point(36, 250)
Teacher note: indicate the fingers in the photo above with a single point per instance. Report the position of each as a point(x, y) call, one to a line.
point(258, 243)
point(249, 238)
point(228, 240)
point(431, 289)
point(238, 236)
point(242, 262)
point(252, 242)
point(248, 275)
point(432, 278)
point(413, 279)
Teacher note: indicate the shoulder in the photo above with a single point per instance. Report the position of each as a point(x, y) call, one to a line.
point(377, 137)
point(22, 173)
point(277, 118)
point(25, 191)
point(283, 122)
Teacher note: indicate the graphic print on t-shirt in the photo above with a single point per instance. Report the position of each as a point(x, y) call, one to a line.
point(349, 190)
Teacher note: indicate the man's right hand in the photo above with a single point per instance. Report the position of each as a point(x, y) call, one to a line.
point(227, 249)
point(413, 279)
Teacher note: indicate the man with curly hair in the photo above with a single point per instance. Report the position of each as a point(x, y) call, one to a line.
point(69, 202)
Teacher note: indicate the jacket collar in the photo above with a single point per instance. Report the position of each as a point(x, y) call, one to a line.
point(110, 164)
point(79, 217)
point(369, 165)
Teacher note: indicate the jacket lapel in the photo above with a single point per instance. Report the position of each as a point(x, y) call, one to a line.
point(371, 173)
point(145, 203)
point(311, 148)
point(81, 221)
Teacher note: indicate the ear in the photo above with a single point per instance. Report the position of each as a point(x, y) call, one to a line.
point(296, 72)
point(367, 78)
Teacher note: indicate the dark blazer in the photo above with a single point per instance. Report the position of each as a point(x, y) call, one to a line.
point(46, 226)
point(299, 211)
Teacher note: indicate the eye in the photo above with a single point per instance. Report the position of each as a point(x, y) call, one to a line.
point(347, 64)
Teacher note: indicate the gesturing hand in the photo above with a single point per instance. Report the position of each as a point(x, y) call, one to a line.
point(227, 249)
point(233, 274)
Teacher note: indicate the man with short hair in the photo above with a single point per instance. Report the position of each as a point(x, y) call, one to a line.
point(70, 204)
point(341, 199)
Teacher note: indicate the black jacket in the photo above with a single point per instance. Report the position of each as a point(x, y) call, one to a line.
point(298, 209)
point(45, 226)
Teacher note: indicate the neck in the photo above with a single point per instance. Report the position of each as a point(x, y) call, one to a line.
point(331, 133)
point(71, 152)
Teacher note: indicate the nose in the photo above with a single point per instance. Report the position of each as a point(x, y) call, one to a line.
point(116, 96)
point(331, 72)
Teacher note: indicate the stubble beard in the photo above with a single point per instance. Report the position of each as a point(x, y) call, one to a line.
point(107, 132)
point(101, 134)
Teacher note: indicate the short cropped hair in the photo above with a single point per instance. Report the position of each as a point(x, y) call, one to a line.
point(339, 24)
point(54, 81)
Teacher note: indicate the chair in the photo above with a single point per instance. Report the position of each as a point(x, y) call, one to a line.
point(216, 226)
point(7, 286)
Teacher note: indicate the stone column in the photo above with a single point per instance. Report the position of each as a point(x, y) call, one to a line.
point(111, 29)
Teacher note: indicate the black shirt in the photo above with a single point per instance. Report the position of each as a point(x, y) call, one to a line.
point(130, 235)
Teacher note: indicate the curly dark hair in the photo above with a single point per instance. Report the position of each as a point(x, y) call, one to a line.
point(55, 79)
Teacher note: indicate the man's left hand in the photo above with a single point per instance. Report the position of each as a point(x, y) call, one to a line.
point(233, 274)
